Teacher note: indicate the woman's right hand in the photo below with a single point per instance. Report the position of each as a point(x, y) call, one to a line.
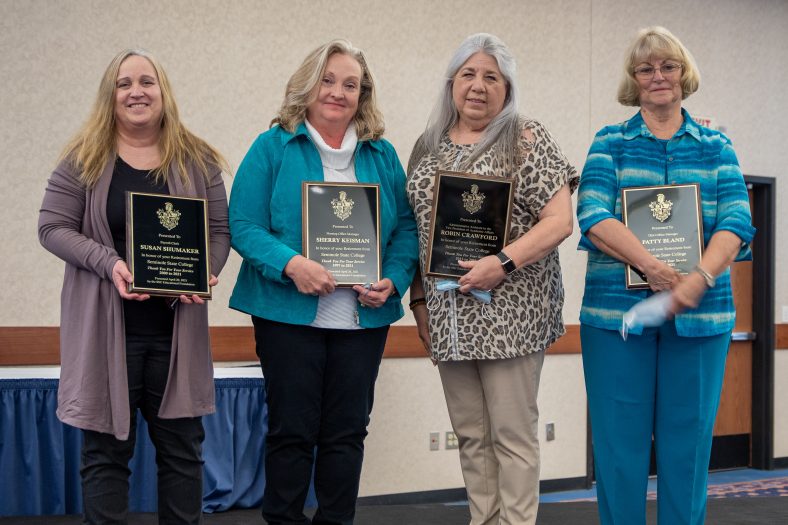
point(309, 276)
point(422, 316)
point(121, 277)
point(660, 275)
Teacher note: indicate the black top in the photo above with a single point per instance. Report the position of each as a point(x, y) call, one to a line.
point(153, 317)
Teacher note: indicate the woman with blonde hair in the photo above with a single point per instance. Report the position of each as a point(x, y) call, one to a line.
point(320, 355)
point(122, 351)
point(661, 383)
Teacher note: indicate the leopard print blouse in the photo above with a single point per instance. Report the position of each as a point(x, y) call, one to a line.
point(525, 313)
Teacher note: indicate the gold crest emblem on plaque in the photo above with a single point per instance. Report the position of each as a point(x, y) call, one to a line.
point(472, 200)
point(169, 216)
point(343, 207)
point(661, 208)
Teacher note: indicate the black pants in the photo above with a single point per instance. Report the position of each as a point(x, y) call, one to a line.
point(319, 387)
point(105, 459)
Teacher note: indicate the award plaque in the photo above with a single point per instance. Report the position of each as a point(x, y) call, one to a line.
point(668, 221)
point(470, 220)
point(167, 245)
point(341, 229)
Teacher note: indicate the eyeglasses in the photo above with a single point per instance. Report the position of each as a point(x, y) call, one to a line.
point(647, 72)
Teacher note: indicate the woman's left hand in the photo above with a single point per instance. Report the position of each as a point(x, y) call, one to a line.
point(688, 292)
point(376, 295)
point(196, 299)
point(485, 274)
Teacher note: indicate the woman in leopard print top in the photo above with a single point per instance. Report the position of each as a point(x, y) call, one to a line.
point(490, 355)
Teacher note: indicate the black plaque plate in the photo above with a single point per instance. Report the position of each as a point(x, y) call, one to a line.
point(167, 245)
point(667, 220)
point(470, 220)
point(341, 229)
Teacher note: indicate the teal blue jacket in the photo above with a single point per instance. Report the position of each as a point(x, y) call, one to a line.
point(265, 225)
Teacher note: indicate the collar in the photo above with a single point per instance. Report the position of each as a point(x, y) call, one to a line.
point(636, 127)
point(334, 158)
point(302, 132)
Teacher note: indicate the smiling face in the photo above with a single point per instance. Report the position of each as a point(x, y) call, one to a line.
point(138, 101)
point(338, 90)
point(478, 91)
point(662, 91)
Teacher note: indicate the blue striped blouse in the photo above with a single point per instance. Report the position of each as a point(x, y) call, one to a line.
point(628, 154)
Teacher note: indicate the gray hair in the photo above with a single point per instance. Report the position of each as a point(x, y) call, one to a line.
point(503, 130)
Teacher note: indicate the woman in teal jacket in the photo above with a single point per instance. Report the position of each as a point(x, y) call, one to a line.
point(319, 345)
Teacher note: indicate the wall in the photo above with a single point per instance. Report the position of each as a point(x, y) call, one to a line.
point(229, 62)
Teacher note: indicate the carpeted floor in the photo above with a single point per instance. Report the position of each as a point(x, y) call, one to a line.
point(746, 489)
point(737, 483)
point(736, 497)
point(723, 511)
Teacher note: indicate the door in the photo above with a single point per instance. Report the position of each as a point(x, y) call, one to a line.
point(733, 427)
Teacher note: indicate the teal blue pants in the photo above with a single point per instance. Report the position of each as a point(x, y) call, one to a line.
point(656, 384)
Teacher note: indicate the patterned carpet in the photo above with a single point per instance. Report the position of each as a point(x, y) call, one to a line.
point(743, 483)
point(768, 487)
point(746, 488)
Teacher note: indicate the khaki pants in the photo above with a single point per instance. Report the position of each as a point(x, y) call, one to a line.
point(492, 406)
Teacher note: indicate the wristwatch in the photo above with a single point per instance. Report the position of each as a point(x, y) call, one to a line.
point(709, 278)
point(506, 262)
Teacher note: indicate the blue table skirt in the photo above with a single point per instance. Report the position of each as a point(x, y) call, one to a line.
point(39, 455)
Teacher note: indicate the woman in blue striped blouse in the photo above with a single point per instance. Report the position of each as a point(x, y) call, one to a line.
point(663, 382)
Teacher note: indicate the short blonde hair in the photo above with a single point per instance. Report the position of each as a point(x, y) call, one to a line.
point(656, 43)
point(90, 149)
point(301, 92)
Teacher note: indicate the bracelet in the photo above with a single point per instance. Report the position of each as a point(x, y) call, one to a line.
point(710, 279)
point(415, 302)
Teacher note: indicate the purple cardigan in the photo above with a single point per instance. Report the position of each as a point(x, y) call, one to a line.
point(93, 392)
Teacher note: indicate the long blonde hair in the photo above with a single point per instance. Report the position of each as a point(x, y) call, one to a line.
point(300, 91)
point(93, 145)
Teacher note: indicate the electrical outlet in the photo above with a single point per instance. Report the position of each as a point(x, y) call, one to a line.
point(451, 440)
point(435, 441)
point(550, 431)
